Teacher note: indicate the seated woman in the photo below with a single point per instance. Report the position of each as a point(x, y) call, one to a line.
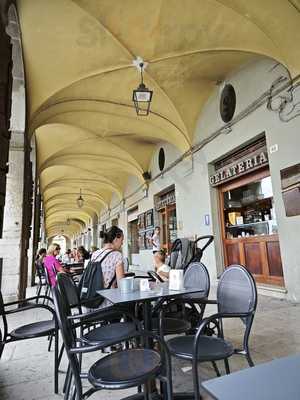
point(40, 258)
point(52, 264)
point(160, 267)
point(83, 254)
point(112, 265)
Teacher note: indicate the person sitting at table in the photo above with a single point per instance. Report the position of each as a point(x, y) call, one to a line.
point(83, 254)
point(160, 267)
point(112, 265)
point(66, 259)
point(52, 264)
point(39, 266)
point(75, 255)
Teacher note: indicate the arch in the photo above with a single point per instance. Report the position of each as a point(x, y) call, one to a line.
point(82, 114)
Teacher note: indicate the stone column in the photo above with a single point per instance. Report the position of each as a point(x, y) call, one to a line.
point(10, 244)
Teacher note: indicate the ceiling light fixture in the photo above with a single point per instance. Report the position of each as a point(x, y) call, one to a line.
point(141, 96)
point(80, 200)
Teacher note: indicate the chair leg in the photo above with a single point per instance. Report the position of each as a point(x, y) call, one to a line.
point(38, 292)
point(66, 379)
point(214, 364)
point(50, 342)
point(61, 354)
point(56, 362)
point(169, 390)
point(1, 349)
point(249, 359)
point(68, 386)
point(226, 363)
point(196, 380)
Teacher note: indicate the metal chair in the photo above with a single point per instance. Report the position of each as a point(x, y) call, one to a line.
point(189, 308)
point(121, 370)
point(30, 331)
point(42, 283)
point(236, 298)
point(95, 335)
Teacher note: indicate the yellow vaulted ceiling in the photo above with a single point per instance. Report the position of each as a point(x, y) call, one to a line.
point(78, 60)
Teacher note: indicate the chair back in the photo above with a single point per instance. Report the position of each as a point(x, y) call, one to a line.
point(69, 337)
point(68, 290)
point(4, 320)
point(196, 275)
point(40, 271)
point(237, 291)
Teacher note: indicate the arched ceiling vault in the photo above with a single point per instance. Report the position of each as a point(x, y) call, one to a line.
point(78, 61)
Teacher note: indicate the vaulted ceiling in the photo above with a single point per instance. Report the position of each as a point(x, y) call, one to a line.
point(78, 61)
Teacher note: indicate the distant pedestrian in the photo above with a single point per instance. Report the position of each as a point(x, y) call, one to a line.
point(155, 240)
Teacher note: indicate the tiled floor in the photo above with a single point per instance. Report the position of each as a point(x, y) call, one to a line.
point(26, 368)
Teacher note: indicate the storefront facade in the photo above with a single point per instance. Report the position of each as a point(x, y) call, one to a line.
point(247, 213)
point(229, 188)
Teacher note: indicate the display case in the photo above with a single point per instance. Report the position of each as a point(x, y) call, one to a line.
point(249, 210)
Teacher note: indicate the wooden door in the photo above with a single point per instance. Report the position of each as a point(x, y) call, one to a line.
point(168, 223)
point(260, 254)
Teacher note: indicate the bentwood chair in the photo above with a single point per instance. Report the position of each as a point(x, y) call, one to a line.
point(236, 298)
point(189, 309)
point(37, 329)
point(120, 370)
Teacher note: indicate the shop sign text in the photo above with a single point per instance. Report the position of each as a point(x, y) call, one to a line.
point(239, 168)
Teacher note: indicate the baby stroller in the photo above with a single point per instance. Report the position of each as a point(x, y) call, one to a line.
point(187, 252)
point(183, 252)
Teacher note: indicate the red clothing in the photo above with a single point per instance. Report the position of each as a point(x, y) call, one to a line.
point(52, 265)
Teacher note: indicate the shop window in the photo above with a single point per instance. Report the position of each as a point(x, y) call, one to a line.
point(249, 210)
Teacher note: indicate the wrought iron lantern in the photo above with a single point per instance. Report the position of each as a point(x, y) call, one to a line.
point(80, 200)
point(142, 96)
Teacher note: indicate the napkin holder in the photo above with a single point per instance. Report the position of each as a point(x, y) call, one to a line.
point(176, 279)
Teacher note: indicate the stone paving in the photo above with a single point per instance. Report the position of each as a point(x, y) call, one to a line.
point(26, 368)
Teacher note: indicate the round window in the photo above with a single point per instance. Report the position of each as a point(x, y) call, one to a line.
point(161, 159)
point(227, 103)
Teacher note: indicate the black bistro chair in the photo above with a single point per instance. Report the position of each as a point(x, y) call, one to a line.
point(106, 331)
point(236, 298)
point(120, 370)
point(189, 309)
point(95, 326)
point(42, 283)
point(30, 331)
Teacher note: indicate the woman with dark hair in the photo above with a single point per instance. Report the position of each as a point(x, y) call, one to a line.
point(41, 254)
point(112, 265)
point(39, 266)
point(84, 254)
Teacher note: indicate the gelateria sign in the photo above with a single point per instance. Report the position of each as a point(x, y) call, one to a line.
point(240, 167)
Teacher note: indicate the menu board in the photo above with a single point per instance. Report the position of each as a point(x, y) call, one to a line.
point(146, 229)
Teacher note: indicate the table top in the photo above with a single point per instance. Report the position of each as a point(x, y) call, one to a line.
point(159, 291)
point(275, 380)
